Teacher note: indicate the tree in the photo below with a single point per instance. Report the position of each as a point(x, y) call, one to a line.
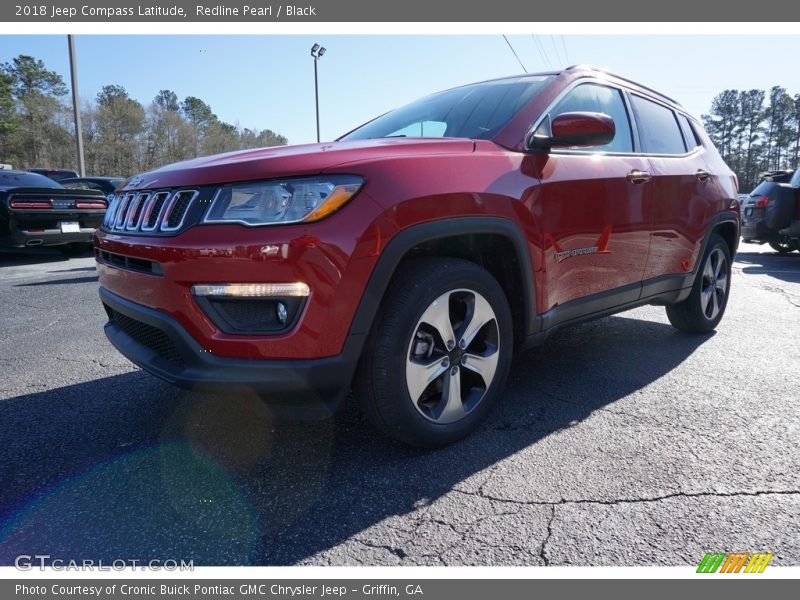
point(253, 138)
point(37, 92)
point(8, 115)
point(221, 137)
point(120, 120)
point(778, 128)
point(751, 116)
point(167, 100)
point(721, 122)
point(121, 137)
point(169, 136)
point(200, 117)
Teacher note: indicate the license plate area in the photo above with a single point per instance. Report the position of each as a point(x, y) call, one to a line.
point(70, 226)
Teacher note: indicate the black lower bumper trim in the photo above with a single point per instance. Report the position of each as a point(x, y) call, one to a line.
point(161, 346)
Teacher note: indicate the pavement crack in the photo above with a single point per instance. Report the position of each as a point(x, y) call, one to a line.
point(543, 549)
point(618, 501)
point(398, 552)
point(779, 290)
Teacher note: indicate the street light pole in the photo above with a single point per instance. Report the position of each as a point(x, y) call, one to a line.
point(316, 52)
point(316, 93)
point(73, 69)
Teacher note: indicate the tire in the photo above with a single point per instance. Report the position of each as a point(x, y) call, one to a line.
point(407, 372)
point(702, 311)
point(783, 246)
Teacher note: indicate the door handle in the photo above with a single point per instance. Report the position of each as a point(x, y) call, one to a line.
point(637, 176)
point(702, 175)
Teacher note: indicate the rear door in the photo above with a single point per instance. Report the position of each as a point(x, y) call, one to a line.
point(681, 184)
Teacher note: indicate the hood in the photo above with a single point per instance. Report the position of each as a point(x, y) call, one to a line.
point(289, 161)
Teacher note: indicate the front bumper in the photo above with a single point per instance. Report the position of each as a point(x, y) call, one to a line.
point(161, 346)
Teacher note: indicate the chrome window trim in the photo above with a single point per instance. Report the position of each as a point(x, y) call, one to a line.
point(625, 91)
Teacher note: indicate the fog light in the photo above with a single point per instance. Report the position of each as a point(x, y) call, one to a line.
point(282, 313)
point(252, 290)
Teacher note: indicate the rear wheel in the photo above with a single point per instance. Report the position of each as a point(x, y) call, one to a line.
point(438, 357)
point(783, 246)
point(703, 309)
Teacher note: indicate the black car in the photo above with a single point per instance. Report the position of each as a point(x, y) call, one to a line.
point(107, 185)
point(55, 174)
point(37, 211)
point(793, 230)
point(770, 209)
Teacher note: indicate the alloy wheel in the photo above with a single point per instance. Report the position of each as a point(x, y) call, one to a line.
point(714, 285)
point(452, 356)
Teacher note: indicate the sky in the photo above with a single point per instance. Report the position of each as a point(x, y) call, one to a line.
point(267, 81)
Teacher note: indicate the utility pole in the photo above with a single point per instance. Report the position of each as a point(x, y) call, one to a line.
point(73, 69)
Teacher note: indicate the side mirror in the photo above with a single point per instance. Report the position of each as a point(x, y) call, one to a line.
point(574, 129)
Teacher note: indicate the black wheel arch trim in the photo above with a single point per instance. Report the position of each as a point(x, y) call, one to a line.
point(412, 236)
point(728, 216)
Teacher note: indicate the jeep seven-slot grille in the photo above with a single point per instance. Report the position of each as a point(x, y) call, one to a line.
point(163, 211)
point(147, 335)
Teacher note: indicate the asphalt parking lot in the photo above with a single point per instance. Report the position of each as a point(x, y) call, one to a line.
point(620, 442)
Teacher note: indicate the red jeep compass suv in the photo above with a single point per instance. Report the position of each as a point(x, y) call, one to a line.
point(408, 259)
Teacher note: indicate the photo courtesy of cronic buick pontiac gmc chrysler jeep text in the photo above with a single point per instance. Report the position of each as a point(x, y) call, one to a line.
point(410, 258)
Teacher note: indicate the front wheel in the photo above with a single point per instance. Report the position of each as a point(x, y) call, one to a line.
point(702, 311)
point(438, 357)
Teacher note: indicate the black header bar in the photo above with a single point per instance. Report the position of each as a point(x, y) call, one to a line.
point(407, 11)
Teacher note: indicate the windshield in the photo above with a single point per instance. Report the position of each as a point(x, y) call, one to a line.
point(476, 111)
point(14, 179)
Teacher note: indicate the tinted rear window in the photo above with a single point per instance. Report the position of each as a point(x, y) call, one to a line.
point(658, 129)
point(472, 111)
point(12, 179)
point(688, 132)
point(55, 174)
point(762, 189)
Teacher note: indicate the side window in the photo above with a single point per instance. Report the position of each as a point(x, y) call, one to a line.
point(592, 97)
point(658, 129)
point(688, 133)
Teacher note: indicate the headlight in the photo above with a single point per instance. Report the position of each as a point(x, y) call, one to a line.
point(282, 201)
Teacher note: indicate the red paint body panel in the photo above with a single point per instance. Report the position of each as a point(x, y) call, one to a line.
point(560, 202)
point(581, 197)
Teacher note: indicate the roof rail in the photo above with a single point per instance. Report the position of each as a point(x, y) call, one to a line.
point(644, 87)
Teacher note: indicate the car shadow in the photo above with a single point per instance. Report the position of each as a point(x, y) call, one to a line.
point(127, 466)
point(87, 279)
point(19, 257)
point(785, 267)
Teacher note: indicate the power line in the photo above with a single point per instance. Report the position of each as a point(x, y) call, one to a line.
point(542, 53)
point(515, 53)
point(555, 49)
point(564, 45)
